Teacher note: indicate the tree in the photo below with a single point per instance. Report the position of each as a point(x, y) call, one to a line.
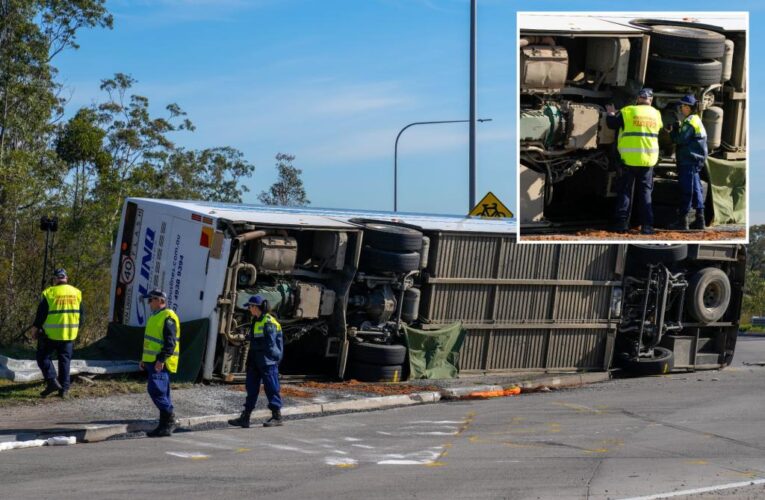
point(32, 33)
point(288, 191)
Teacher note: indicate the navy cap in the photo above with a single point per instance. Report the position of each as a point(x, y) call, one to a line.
point(256, 300)
point(60, 273)
point(645, 92)
point(156, 294)
point(689, 100)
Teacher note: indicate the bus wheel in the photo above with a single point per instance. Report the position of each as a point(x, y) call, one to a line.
point(364, 372)
point(392, 238)
point(377, 354)
point(654, 254)
point(662, 361)
point(708, 295)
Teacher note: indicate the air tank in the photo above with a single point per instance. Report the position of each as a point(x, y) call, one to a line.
point(712, 120)
point(727, 61)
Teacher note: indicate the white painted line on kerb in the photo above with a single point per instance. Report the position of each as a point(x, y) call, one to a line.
point(728, 486)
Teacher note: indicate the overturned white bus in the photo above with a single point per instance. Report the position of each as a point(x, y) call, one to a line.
point(344, 283)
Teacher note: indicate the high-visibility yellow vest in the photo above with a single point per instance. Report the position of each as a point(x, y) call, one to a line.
point(639, 139)
point(153, 338)
point(257, 327)
point(63, 321)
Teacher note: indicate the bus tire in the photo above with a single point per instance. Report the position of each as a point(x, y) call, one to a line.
point(391, 237)
point(661, 362)
point(377, 354)
point(708, 295)
point(375, 259)
point(364, 372)
point(654, 254)
point(680, 72)
point(687, 42)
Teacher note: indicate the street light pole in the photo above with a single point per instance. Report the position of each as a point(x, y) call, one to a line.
point(395, 152)
point(471, 182)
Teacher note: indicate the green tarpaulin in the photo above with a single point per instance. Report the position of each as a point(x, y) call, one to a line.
point(434, 354)
point(126, 342)
point(728, 190)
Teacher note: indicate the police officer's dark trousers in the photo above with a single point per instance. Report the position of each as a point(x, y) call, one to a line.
point(158, 387)
point(642, 178)
point(690, 186)
point(63, 349)
point(269, 375)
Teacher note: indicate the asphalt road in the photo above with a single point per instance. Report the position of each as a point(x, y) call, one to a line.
point(627, 438)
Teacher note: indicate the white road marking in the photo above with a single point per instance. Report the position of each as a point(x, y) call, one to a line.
point(352, 439)
point(193, 456)
point(289, 448)
point(340, 461)
point(437, 422)
point(695, 491)
point(364, 446)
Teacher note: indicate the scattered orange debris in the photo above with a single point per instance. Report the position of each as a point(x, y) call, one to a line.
point(661, 235)
point(380, 388)
point(508, 391)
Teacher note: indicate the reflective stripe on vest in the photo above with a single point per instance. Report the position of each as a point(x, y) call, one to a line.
point(698, 127)
point(153, 338)
point(639, 139)
point(257, 327)
point(63, 320)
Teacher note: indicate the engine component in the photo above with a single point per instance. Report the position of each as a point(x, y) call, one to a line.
point(246, 274)
point(424, 252)
point(543, 126)
point(610, 57)
point(712, 118)
point(543, 68)
point(327, 306)
point(532, 200)
point(606, 135)
point(727, 61)
point(410, 308)
point(308, 301)
point(379, 305)
point(584, 119)
point(275, 254)
point(329, 249)
point(280, 297)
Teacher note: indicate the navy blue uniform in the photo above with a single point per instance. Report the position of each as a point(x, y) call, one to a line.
point(266, 351)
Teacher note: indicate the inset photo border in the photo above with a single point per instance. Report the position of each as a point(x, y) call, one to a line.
point(632, 127)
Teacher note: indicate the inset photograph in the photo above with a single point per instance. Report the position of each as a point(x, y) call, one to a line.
point(632, 126)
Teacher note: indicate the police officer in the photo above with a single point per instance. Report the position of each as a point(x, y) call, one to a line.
point(266, 350)
point(161, 346)
point(638, 146)
point(58, 319)
point(691, 156)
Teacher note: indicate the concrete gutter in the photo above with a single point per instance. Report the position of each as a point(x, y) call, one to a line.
point(96, 433)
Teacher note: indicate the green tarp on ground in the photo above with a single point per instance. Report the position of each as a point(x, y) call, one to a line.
point(434, 354)
point(126, 342)
point(728, 190)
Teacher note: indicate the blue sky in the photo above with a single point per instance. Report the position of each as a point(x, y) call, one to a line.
point(332, 82)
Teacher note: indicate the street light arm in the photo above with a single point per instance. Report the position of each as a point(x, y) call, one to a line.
point(395, 151)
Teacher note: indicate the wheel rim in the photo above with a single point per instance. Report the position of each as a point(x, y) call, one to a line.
point(712, 295)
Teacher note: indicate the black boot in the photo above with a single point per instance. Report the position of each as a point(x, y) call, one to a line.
point(698, 222)
point(172, 423)
point(619, 226)
point(164, 427)
point(646, 229)
point(243, 420)
point(275, 420)
point(680, 223)
point(52, 387)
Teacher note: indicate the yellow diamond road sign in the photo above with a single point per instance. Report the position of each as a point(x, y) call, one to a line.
point(490, 207)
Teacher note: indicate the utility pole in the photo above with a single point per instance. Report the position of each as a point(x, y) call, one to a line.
point(471, 182)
